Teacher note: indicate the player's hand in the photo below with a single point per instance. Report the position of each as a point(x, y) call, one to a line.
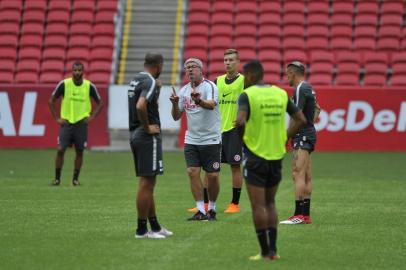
point(61, 121)
point(174, 98)
point(153, 129)
point(195, 95)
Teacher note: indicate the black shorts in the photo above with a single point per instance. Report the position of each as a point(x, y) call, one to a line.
point(231, 147)
point(147, 154)
point(75, 134)
point(306, 141)
point(260, 172)
point(206, 156)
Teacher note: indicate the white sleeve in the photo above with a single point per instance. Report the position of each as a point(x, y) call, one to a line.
point(181, 99)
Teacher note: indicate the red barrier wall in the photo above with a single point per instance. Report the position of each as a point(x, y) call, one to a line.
point(358, 119)
point(26, 122)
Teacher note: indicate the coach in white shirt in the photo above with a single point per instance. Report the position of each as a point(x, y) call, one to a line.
point(199, 99)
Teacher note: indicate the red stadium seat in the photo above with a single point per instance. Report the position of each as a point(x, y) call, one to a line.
point(246, 30)
point(59, 5)
point(51, 77)
point(100, 78)
point(342, 7)
point(368, 31)
point(397, 80)
point(101, 54)
point(55, 41)
point(341, 31)
point(102, 41)
point(390, 31)
point(293, 43)
point(321, 19)
point(269, 30)
point(388, 44)
point(215, 69)
point(375, 74)
point(220, 42)
point(57, 29)
point(26, 77)
point(367, 7)
point(8, 28)
point(28, 65)
point(272, 78)
point(83, 6)
point(196, 42)
point(366, 20)
point(247, 54)
point(58, 16)
point(269, 56)
point(222, 6)
point(29, 53)
point(318, 7)
point(12, 16)
point(82, 16)
point(53, 53)
point(294, 55)
point(320, 79)
point(79, 41)
point(11, 4)
point(216, 30)
point(100, 66)
point(107, 6)
point(295, 19)
point(269, 43)
point(52, 66)
point(376, 57)
point(341, 44)
point(6, 76)
point(249, 7)
point(293, 31)
point(362, 44)
point(199, 6)
point(348, 57)
point(322, 57)
point(295, 7)
point(317, 31)
point(222, 18)
point(341, 19)
point(80, 29)
point(103, 29)
point(77, 54)
point(317, 43)
point(8, 53)
point(8, 41)
point(32, 28)
point(104, 17)
point(391, 19)
point(35, 5)
point(31, 41)
point(347, 74)
point(7, 65)
point(199, 18)
point(269, 18)
point(399, 57)
point(270, 7)
point(197, 53)
point(216, 55)
point(272, 67)
point(245, 42)
point(246, 19)
point(321, 68)
point(34, 16)
point(198, 30)
point(392, 7)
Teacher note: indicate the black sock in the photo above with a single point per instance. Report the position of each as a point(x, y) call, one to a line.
point(306, 207)
point(58, 173)
point(299, 207)
point(272, 234)
point(142, 226)
point(263, 241)
point(206, 195)
point(153, 221)
point(76, 174)
point(236, 195)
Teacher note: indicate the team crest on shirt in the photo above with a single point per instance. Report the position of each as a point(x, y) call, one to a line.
point(216, 165)
point(237, 157)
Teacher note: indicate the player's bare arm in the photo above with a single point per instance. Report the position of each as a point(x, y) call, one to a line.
point(96, 111)
point(143, 117)
point(174, 98)
point(205, 104)
point(317, 110)
point(51, 105)
point(297, 121)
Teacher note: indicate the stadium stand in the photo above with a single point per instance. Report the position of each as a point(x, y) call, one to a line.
point(42, 38)
point(348, 35)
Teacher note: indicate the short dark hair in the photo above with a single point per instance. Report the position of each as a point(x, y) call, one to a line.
point(232, 51)
point(78, 63)
point(153, 59)
point(255, 68)
point(297, 67)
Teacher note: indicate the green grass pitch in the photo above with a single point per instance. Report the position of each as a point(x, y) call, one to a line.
point(357, 209)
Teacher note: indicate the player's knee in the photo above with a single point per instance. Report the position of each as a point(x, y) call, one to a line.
point(192, 171)
point(60, 152)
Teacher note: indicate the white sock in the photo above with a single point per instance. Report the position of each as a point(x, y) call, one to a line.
point(212, 205)
point(200, 206)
